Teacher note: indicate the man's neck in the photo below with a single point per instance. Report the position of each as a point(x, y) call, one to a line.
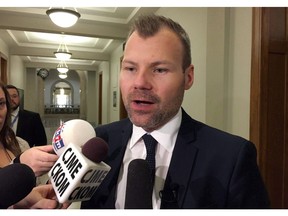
point(15, 111)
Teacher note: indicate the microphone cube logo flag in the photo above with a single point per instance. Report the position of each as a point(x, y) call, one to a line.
point(57, 141)
point(74, 177)
point(75, 131)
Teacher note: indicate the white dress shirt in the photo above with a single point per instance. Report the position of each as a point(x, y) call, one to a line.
point(14, 119)
point(166, 137)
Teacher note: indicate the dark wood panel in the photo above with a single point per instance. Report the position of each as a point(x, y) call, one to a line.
point(276, 124)
point(277, 22)
point(269, 100)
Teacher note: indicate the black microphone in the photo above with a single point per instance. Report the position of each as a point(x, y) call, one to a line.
point(16, 182)
point(139, 186)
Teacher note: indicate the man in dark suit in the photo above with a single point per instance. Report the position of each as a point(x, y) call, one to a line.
point(197, 166)
point(26, 124)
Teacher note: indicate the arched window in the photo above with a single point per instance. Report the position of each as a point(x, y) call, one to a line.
point(62, 95)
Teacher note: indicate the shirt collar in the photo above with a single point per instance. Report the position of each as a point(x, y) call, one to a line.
point(166, 135)
point(15, 112)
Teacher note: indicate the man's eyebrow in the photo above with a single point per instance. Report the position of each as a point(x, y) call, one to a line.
point(160, 62)
point(128, 61)
point(151, 64)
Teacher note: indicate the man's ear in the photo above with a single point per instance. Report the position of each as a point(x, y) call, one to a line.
point(189, 77)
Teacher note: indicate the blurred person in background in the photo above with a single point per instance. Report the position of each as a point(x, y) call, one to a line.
point(26, 124)
point(16, 150)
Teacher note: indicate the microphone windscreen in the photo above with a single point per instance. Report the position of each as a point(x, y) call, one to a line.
point(95, 149)
point(16, 182)
point(76, 131)
point(139, 186)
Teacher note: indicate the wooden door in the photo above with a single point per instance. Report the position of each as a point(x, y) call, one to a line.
point(100, 99)
point(3, 68)
point(269, 100)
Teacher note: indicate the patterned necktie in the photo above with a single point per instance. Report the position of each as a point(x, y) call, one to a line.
point(150, 144)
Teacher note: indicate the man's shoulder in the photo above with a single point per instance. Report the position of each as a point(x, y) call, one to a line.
point(211, 137)
point(28, 113)
point(114, 125)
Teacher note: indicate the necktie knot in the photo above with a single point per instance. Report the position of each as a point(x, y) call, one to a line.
point(150, 144)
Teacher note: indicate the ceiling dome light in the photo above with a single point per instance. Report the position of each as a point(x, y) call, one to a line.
point(62, 55)
point(62, 52)
point(63, 17)
point(62, 67)
point(62, 75)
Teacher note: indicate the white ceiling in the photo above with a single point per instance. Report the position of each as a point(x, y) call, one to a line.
point(30, 34)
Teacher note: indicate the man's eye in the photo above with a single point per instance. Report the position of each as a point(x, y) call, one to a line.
point(131, 69)
point(160, 70)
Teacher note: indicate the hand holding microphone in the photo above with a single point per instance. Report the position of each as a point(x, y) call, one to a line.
point(39, 158)
point(41, 197)
point(42, 158)
point(77, 174)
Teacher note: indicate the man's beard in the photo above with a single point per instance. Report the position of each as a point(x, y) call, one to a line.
point(13, 108)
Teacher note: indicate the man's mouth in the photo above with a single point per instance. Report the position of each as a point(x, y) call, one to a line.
point(142, 102)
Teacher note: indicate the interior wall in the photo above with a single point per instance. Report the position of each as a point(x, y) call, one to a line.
point(31, 90)
point(91, 97)
point(104, 67)
point(239, 71)
point(4, 48)
point(83, 93)
point(17, 75)
point(216, 80)
point(114, 84)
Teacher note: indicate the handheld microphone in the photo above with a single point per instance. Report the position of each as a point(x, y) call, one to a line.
point(16, 182)
point(76, 175)
point(139, 186)
point(75, 131)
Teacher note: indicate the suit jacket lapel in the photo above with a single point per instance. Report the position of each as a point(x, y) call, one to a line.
point(181, 164)
point(179, 172)
point(19, 124)
point(115, 162)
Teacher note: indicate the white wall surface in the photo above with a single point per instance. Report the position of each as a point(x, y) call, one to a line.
point(4, 48)
point(240, 68)
point(114, 83)
point(104, 68)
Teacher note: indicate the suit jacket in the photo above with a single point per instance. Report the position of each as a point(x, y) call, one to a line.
point(209, 169)
point(30, 128)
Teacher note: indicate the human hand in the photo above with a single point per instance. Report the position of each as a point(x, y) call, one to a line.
point(41, 197)
point(40, 159)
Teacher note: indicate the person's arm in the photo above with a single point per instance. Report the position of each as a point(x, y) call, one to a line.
point(40, 159)
point(41, 138)
point(41, 197)
point(247, 189)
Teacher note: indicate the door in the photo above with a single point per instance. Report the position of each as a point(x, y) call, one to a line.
point(3, 68)
point(269, 100)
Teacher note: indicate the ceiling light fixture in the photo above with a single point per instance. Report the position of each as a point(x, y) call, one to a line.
point(64, 18)
point(62, 75)
point(62, 52)
point(62, 67)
